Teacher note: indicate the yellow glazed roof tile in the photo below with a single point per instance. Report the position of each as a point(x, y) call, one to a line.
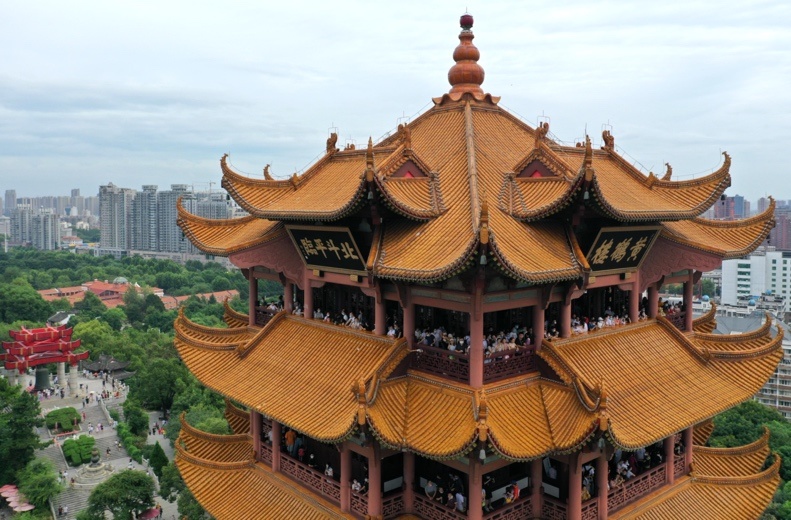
point(741, 461)
point(238, 419)
point(625, 194)
point(221, 237)
point(725, 238)
point(231, 487)
point(296, 371)
point(233, 318)
point(329, 190)
point(708, 498)
point(647, 372)
point(702, 432)
point(706, 323)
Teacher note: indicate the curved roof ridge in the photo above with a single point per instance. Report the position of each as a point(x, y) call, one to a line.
point(476, 201)
point(238, 419)
point(212, 437)
point(182, 453)
point(245, 179)
point(718, 174)
point(765, 475)
point(700, 354)
point(759, 351)
point(243, 349)
point(222, 237)
point(183, 213)
point(760, 443)
point(767, 214)
point(233, 318)
point(197, 327)
point(706, 321)
point(761, 331)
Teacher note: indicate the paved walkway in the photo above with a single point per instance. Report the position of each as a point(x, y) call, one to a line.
point(76, 497)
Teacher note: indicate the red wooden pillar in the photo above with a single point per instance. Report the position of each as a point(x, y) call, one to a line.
point(277, 432)
point(538, 326)
point(601, 484)
point(380, 315)
point(255, 433)
point(653, 301)
point(536, 487)
point(688, 440)
point(346, 475)
point(375, 481)
point(688, 286)
point(409, 324)
point(308, 303)
point(409, 482)
point(670, 459)
point(574, 509)
point(252, 298)
point(288, 297)
point(634, 299)
point(565, 319)
point(475, 489)
point(476, 350)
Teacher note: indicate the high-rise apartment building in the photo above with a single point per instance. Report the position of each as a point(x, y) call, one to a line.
point(114, 209)
point(21, 224)
point(144, 220)
point(45, 230)
point(170, 235)
point(10, 201)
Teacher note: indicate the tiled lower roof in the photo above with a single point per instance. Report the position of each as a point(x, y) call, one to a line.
point(731, 462)
point(648, 380)
point(299, 372)
point(237, 488)
point(524, 418)
point(702, 432)
point(708, 498)
point(238, 419)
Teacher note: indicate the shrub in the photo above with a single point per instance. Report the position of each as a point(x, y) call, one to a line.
point(114, 415)
point(64, 418)
point(78, 451)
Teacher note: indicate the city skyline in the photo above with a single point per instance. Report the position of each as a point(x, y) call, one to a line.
point(96, 93)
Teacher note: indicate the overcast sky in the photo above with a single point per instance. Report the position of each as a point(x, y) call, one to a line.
point(155, 92)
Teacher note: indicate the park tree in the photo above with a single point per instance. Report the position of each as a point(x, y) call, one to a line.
point(38, 482)
point(742, 424)
point(136, 418)
point(90, 307)
point(124, 494)
point(20, 414)
point(158, 459)
point(154, 385)
point(20, 301)
point(115, 318)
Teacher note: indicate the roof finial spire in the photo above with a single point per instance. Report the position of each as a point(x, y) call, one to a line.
point(466, 75)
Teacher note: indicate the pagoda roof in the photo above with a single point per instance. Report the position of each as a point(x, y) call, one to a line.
point(709, 497)
point(222, 475)
point(238, 419)
point(625, 194)
point(707, 322)
point(106, 363)
point(644, 374)
point(328, 190)
point(232, 317)
point(732, 462)
point(523, 419)
point(702, 431)
point(724, 238)
point(222, 237)
point(305, 374)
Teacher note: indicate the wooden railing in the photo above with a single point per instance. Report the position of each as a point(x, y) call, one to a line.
point(590, 509)
point(508, 363)
point(431, 510)
point(446, 363)
point(456, 365)
point(515, 511)
point(262, 316)
point(311, 478)
point(678, 319)
point(553, 509)
point(359, 504)
point(393, 505)
point(635, 488)
point(266, 453)
point(679, 465)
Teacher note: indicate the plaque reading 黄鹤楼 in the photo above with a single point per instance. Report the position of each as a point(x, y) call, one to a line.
point(620, 249)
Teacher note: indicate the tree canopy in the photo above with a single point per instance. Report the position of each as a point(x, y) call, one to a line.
point(19, 416)
point(123, 494)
